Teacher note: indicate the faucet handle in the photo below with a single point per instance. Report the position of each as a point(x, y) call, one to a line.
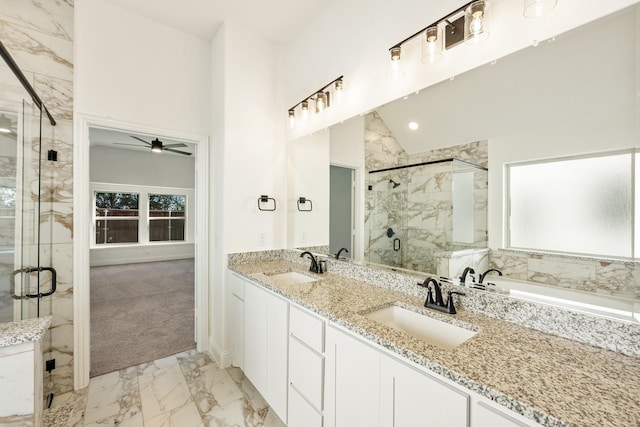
point(451, 309)
point(322, 263)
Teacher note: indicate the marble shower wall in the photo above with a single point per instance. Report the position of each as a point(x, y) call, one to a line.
point(39, 36)
point(419, 210)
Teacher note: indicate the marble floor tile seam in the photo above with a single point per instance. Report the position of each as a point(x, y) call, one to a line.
point(214, 396)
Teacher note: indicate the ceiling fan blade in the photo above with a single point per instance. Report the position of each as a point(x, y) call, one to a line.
point(140, 139)
point(176, 151)
point(175, 145)
point(130, 145)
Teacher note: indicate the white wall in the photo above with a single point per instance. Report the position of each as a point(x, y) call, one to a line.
point(249, 159)
point(356, 36)
point(135, 70)
point(309, 178)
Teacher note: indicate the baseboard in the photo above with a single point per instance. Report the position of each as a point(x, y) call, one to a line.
point(222, 358)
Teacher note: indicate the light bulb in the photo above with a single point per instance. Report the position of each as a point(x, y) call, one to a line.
point(339, 87)
point(475, 22)
point(304, 106)
point(321, 102)
point(395, 71)
point(292, 118)
point(432, 46)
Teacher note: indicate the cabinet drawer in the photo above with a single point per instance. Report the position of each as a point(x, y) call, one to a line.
point(301, 413)
point(306, 371)
point(308, 328)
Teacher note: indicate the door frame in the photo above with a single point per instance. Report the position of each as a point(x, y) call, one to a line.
point(82, 226)
point(358, 199)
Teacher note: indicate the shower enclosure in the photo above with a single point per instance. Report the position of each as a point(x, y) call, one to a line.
point(27, 277)
point(417, 211)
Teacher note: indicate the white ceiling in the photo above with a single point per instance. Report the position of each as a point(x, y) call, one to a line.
point(277, 20)
point(113, 139)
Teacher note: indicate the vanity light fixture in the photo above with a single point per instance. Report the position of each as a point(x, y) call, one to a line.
point(537, 8)
point(467, 23)
point(321, 97)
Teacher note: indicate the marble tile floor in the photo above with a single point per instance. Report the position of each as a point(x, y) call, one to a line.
point(184, 390)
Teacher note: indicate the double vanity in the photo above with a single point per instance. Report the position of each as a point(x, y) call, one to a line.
point(333, 349)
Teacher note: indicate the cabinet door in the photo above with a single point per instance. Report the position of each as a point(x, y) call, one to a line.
point(277, 354)
point(486, 416)
point(410, 398)
point(255, 337)
point(352, 386)
point(237, 331)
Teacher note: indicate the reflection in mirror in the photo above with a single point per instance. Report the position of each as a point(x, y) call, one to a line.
point(574, 95)
point(417, 211)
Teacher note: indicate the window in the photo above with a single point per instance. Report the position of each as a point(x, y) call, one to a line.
point(117, 217)
point(166, 217)
point(576, 205)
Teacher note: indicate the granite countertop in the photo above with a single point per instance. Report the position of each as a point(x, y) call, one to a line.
point(553, 380)
point(23, 331)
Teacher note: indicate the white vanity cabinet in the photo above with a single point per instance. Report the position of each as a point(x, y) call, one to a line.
point(236, 283)
point(352, 381)
point(410, 398)
point(265, 349)
point(306, 368)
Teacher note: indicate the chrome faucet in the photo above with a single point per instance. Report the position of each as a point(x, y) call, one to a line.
point(315, 267)
point(438, 303)
point(340, 251)
point(483, 275)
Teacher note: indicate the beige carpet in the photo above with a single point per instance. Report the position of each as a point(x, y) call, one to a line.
point(140, 312)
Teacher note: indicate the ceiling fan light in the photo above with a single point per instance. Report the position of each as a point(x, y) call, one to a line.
point(156, 146)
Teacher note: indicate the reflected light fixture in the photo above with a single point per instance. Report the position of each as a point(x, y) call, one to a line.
point(321, 97)
point(5, 124)
point(537, 8)
point(467, 23)
point(414, 126)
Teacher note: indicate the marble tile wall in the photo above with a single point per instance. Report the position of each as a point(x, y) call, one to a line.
point(617, 278)
point(420, 209)
point(39, 36)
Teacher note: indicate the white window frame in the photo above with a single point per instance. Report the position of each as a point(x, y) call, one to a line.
point(184, 217)
point(97, 218)
point(143, 212)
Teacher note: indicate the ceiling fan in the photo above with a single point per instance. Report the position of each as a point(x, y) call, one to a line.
point(157, 146)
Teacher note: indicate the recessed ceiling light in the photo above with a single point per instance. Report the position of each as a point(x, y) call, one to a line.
point(413, 125)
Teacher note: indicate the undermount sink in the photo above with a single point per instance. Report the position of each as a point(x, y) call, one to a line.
point(425, 328)
point(292, 277)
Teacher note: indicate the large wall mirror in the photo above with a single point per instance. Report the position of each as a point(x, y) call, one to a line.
point(432, 164)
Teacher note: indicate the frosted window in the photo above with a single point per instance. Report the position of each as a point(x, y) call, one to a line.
point(578, 205)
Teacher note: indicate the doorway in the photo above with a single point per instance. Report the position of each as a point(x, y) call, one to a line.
point(341, 210)
point(141, 248)
point(86, 222)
